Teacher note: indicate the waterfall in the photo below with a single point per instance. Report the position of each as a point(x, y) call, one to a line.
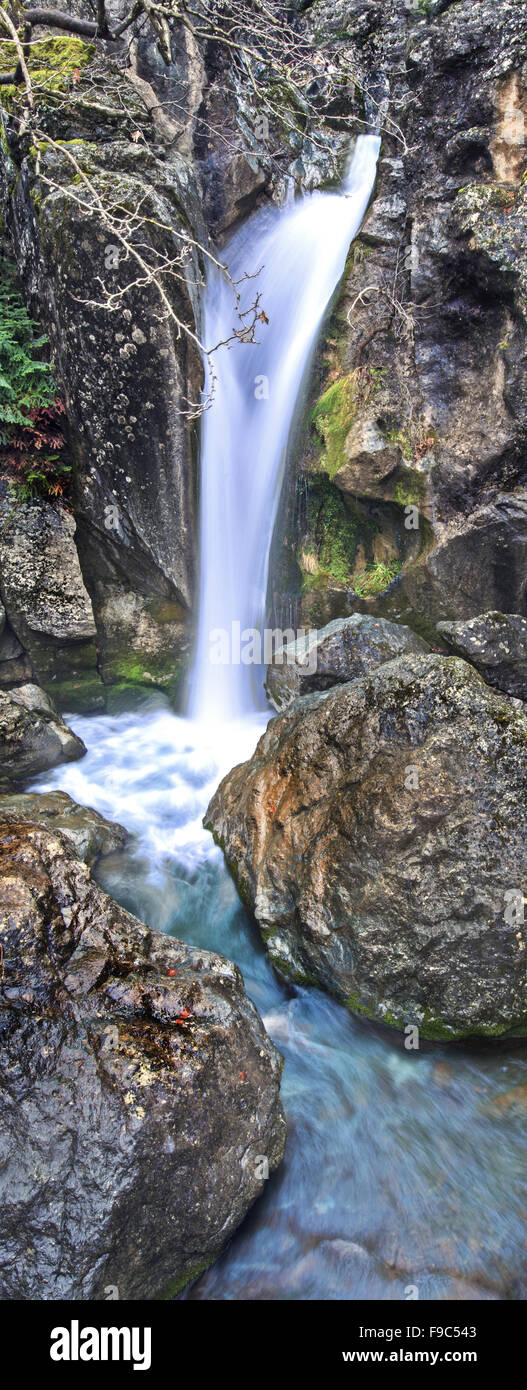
point(302, 250)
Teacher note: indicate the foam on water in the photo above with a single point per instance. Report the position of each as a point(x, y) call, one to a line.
point(155, 773)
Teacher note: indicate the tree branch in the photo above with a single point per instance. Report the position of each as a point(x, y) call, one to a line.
point(56, 19)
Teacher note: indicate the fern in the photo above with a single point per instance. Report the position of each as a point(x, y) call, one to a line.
point(30, 411)
point(24, 377)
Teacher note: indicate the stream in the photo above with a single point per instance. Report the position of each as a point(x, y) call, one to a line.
point(404, 1172)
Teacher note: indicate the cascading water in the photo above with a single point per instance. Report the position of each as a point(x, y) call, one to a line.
point(398, 1170)
point(302, 251)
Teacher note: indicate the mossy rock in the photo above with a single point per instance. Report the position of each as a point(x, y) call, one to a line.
point(53, 65)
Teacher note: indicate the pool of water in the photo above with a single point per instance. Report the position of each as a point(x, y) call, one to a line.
point(404, 1173)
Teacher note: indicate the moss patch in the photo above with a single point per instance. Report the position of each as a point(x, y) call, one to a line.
point(53, 65)
point(431, 1027)
point(332, 417)
point(335, 411)
point(176, 1286)
point(331, 537)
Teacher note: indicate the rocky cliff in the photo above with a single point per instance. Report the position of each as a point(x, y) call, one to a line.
point(410, 492)
point(410, 465)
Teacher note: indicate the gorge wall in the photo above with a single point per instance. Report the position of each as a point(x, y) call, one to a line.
point(406, 492)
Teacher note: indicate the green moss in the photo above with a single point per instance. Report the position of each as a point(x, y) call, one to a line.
point(294, 973)
point(177, 1285)
point(52, 65)
point(333, 416)
point(356, 1005)
point(431, 1027)
point(335, 411)
point(331, 536)
point(408, 492)
point(477, 197)
point(77, 696)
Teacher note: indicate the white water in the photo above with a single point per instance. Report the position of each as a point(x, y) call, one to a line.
point(302, 250)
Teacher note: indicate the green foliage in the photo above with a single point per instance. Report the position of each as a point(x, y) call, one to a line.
point(31, 437)
point(332, 416)
point(26, 381)
point(376, 578)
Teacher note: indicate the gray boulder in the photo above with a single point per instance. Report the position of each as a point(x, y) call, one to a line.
point(379, 834)
point(344, 649)
point(141, 1108)
point(496, 643)
point(89, 833)
point(33, 737)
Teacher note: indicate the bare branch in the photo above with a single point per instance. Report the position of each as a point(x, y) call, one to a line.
point(7, 24)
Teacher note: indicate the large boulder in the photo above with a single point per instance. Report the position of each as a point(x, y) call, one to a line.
point(141, 1110)
point(89, 833)
point(334, 654)
point(33, 737)
point(379, 833)
point(496, 643)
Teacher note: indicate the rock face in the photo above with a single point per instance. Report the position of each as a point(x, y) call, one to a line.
point(425, 352)
point(33, 737)
point(15, 666)
point(478, 564)
point(89, 833)
point(379, 835)
point(126, 379)
point(369, 461)
point(346, 648)
point(496, 643)
point(141, 1093)
point(47, 600)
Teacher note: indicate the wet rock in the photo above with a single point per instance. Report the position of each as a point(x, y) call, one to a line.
point(382, 226)
point(332, 655)
point(243, 181)
point(496, 643)
point(379, 835)
point(142, 641)
point(480, 564)
point(141, 1093)
point(33, 737)
point(90, 833)
point(431, 316)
